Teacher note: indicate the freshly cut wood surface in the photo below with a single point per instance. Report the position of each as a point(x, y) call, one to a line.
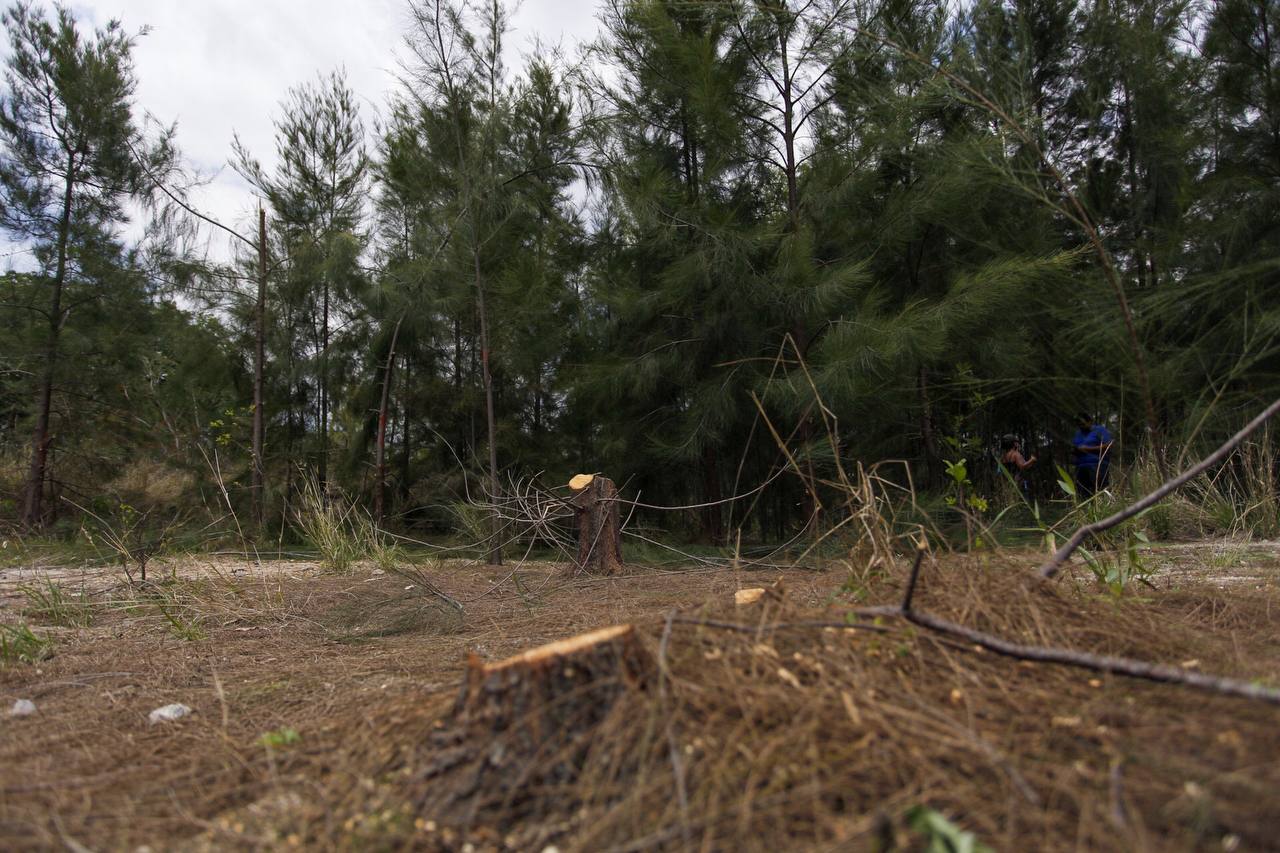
point(561, 648)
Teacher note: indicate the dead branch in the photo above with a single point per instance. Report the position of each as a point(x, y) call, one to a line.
point(1099, 663)
point(775, 626)
point(1083, 660)
point(1055, 563)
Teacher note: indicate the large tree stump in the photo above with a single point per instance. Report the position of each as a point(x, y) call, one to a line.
point(522, 725)
point(556, 687)
point(599, 531)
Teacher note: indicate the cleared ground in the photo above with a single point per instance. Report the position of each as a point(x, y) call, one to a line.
point(315, 696)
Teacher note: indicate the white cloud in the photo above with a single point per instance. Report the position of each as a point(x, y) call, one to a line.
point(219, 67)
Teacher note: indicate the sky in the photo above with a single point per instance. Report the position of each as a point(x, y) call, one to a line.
point(222, 67)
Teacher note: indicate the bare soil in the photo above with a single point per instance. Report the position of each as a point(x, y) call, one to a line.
point(316, 695)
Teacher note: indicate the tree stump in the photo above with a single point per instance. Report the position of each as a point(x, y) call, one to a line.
point(522, 726)
point(599, 531)
point(554, 688)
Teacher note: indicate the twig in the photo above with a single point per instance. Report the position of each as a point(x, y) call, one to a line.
point(755, 629)
point(911, 581)
point(1055, 563)
point(1099, 663)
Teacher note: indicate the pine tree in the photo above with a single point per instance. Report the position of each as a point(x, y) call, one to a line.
point(73, 155)
point(318, 191)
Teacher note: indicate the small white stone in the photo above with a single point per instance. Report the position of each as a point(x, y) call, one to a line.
point(22, 708)
point(168, 713)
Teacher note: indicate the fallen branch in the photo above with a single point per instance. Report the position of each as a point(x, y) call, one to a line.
point(1099, 663)
point(1084, 660)
point(1060, 557)
point(775, 626)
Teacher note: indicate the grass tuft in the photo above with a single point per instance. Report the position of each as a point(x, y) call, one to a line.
point(19, 644)
point(50, 605)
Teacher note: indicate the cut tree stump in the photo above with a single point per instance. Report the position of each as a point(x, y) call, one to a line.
point(523, 723)
point(553, 687)
point(599, 531)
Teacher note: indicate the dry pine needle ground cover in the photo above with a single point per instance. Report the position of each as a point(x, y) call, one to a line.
point(324, 716)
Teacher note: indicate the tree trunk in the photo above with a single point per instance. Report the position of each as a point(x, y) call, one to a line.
point(543, 688)
point(33, 512)
point(599, 530)
point(258, 485)
point(406, 446)
point(525, 722)
point(380, 451)
point(495, 551)
point(324, 391)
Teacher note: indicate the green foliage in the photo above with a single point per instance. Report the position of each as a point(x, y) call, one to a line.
point(280, 738)
point(341, 531)
point(329, 524)
point(182, 616)
point(19, 644)
point(883, 245)
point(941, 835)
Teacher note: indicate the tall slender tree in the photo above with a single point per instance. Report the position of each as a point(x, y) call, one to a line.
point(67, 168)
point(318, 192)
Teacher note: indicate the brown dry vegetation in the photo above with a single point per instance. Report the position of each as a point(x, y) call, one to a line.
point(786, 736)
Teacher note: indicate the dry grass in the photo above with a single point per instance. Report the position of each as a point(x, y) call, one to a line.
point(862, 726)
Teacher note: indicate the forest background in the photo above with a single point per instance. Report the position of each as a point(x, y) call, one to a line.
point(725, 235)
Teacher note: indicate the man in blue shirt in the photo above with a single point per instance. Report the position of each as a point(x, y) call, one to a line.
point(1091, 446)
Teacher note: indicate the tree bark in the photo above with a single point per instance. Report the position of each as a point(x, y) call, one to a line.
point(599, 530)
point(542, 689)
point(525, 722)
point(380, 451)
point(258, 484)
point(495, 551)
point(324, 390)
point(33, 512)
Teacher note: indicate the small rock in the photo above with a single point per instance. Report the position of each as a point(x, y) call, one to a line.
point(168, 713)
point(22, 708)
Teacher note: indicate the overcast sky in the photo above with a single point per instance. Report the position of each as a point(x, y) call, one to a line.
point(223, 66)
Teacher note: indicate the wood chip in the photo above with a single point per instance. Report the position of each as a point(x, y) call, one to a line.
point(788, 676)
point(581, 481)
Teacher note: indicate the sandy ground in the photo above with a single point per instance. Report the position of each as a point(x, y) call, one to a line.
point(261, 649)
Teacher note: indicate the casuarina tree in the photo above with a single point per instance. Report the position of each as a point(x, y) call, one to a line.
point(71, 157)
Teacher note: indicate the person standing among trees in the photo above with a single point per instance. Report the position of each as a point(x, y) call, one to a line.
point(1091, 447)
point(1015, 463)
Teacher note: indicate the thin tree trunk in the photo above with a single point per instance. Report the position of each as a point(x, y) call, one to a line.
point(324, 390)
point(258, 486)
point(406, 444)
point(380, 464)
point(495, 552)
point(34, 510)
point(789, 134)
